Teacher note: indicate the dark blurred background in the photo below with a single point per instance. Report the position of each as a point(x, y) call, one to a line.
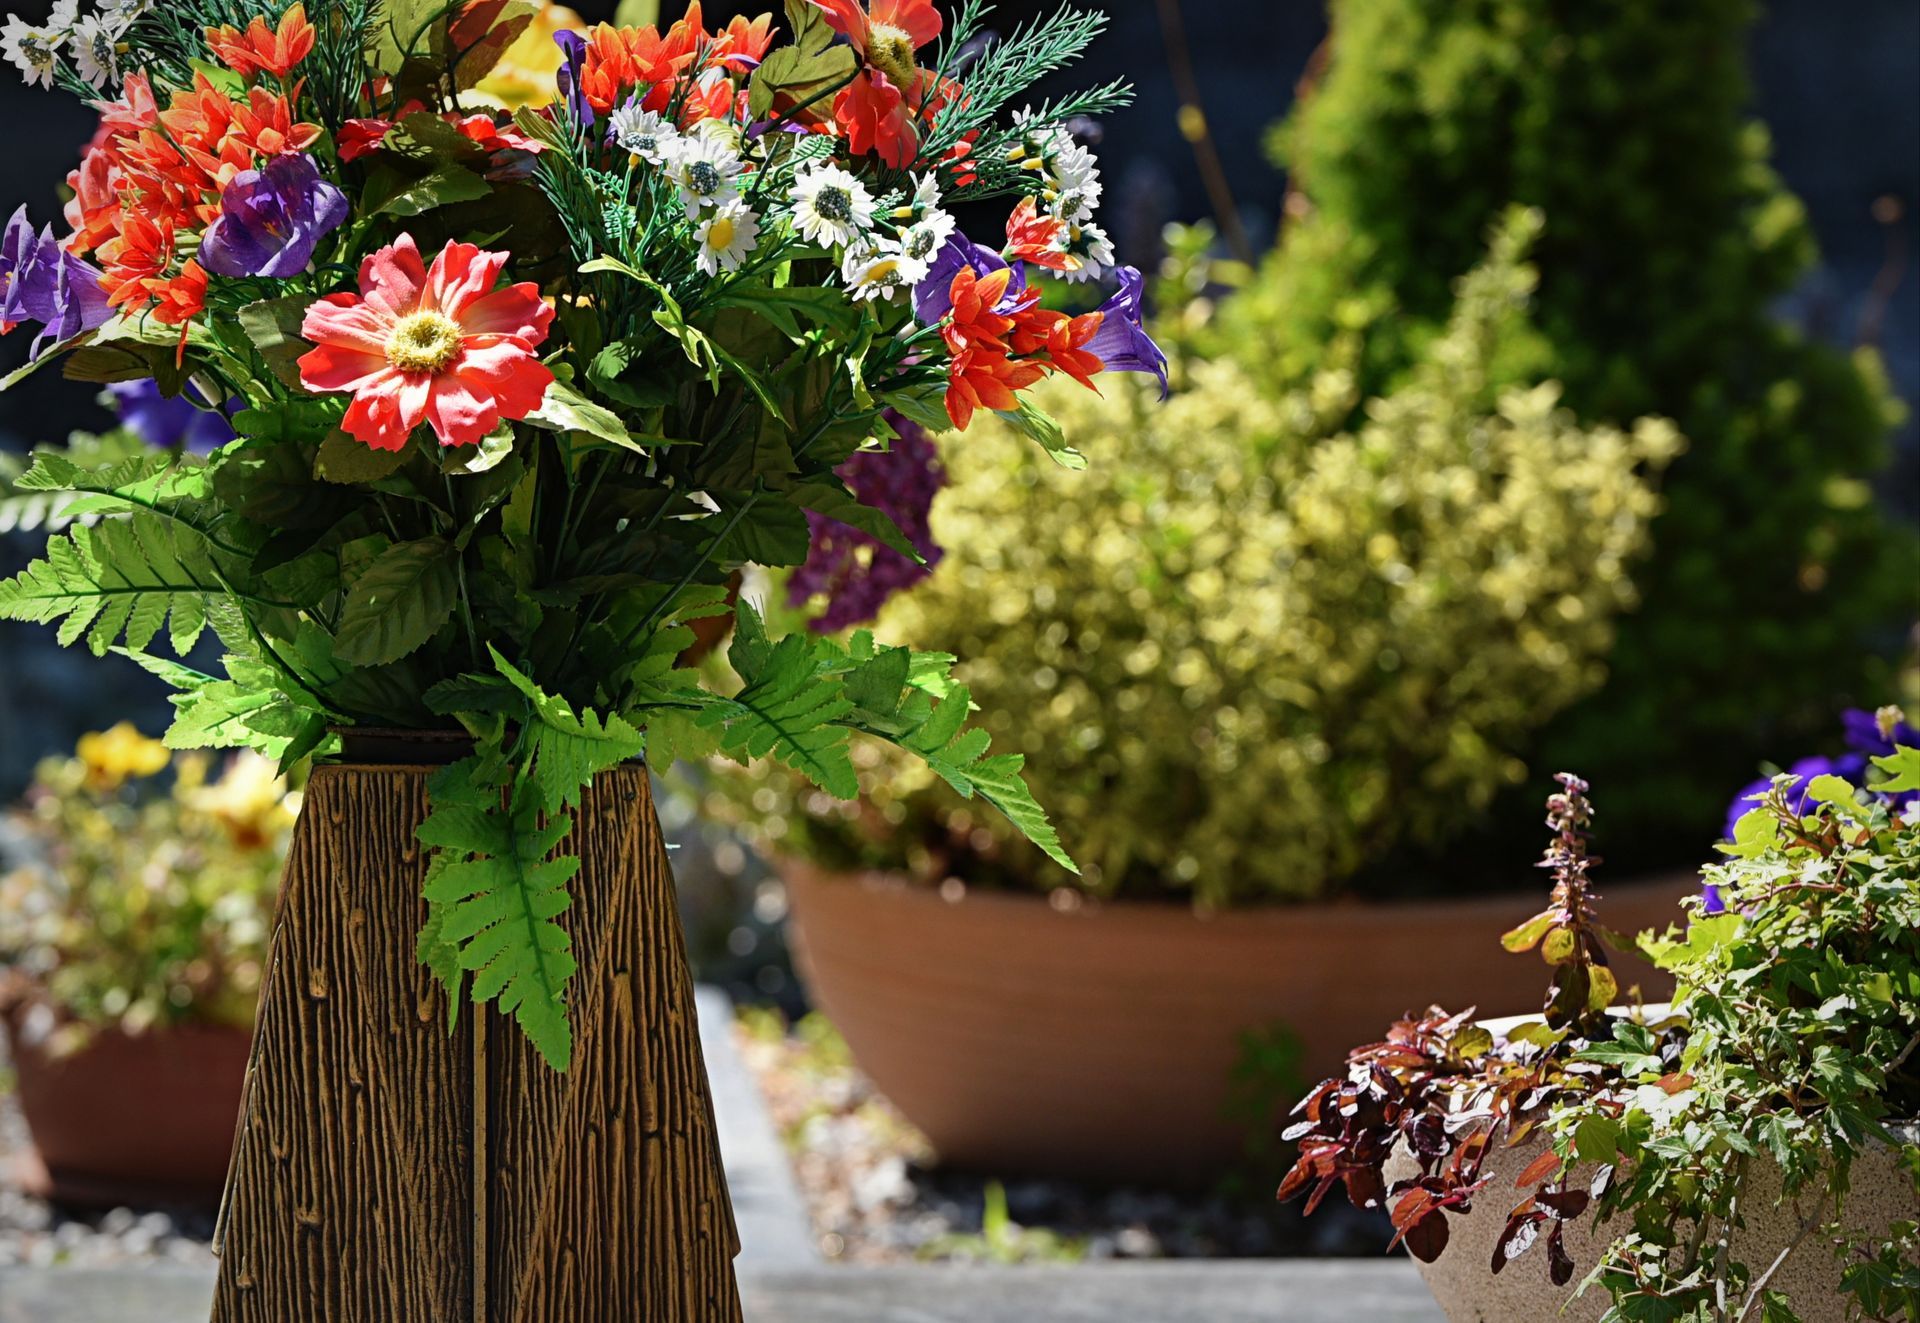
point(1834, 84)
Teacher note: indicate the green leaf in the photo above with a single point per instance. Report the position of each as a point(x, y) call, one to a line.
point(273, 325)
point(836, 502)
point(805, 68)
point(398, 603)
point(565, 409)
point(1828, 789)
point(1754, 833)
point(1902, 766)
point(389, 193)
point(1527, 935)
point(569, 750)
point(1034, 422)
point(828, 308)
point(119, 577)
point(349, 462)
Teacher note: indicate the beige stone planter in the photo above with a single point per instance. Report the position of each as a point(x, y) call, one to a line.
point(1099, 1041)
point(1523, 1293)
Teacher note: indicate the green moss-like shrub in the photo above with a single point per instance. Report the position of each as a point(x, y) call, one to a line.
point(1243, 655)
point(1668, 238)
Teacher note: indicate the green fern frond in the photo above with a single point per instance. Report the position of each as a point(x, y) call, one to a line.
point(495, 899)
point(122, 578)
point(568, 750)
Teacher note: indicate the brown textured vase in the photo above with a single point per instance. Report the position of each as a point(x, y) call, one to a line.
point(1101, 1041)
point(386, 1171)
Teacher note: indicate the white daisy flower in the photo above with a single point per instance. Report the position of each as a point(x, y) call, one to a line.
point(643, 133)
point(727, 236)
point(925, 200)
point(124, 11)
point(879, 273)
point(31, 48)
point(96, 49)
point(1094, 251)
point(706, 171)
point(830, 206)
point(922, 241)
point(66, 13)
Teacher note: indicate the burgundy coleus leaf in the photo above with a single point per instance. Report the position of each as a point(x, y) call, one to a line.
point(1365, 1187)
point(1672, 1084)
point(1522, 1229)
point(1565, 1203)
point(1542, 1168)
point(1319, 1193)
point(1419, 1221)
point(1559, 1262)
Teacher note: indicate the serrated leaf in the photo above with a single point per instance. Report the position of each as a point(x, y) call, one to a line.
point(398, 603)
point(273, 326)
point(569, 749)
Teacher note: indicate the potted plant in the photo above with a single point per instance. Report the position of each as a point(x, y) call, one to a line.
point(133, 931)
point(519, 394)
point(1750, 1151)
point(1250, 658)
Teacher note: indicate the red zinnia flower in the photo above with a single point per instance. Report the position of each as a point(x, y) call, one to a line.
point(878, 111)
point(436, 345)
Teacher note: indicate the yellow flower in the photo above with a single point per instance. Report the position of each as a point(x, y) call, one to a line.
point(250, 801)
point(527, 72)
point(114, 755)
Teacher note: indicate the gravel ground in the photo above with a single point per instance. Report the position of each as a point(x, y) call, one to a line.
point(873, 1197)
point(41, 1235)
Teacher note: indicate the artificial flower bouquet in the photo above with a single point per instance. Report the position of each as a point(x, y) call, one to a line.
point(517, 393)
point(144, 887)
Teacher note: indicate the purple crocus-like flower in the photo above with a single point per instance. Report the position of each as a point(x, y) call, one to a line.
point(573, 54)
point(1711, 901)
point(167, 423)
point(41, 282)
point(1122, 342)
point(855, 571)
point(271, 218)
point(1865, 733)
point(933, 296)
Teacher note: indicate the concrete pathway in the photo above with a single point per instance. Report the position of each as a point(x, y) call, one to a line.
point(1228, 1291)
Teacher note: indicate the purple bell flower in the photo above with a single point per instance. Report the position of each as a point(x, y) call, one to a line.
point(933, 296)
point(1122, 342)
point(169, 422)
point(270, 219)
point(573, 51)
point(41, 282)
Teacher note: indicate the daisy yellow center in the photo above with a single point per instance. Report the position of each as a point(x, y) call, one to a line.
point(424, 342)
point(720, 233)
point(891, 52)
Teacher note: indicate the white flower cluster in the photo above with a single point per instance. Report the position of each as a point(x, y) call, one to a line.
point(93, 43)
point(705, 166)
point(1070, 188)
point(884, 250)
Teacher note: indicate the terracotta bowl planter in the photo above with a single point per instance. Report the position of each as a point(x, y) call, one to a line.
point(1523, 1293)
point(1099, 1041)
point(131, 1119)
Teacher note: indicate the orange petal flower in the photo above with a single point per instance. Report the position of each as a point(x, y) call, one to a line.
point(435, 344)
point(1061, 340)
point(982, 378)
point(1038, 239)
point(261, 49)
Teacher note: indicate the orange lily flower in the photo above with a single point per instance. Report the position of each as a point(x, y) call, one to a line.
point(1038, 239)
point(261, 49)
point(980, 378)
point(1061, 340)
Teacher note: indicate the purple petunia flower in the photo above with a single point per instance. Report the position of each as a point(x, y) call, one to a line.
point(933, 296)
point(271, 218)
point(41, 282)
point(573, 52)
point(1711, 901)
point(854, 570)
point(1122, 342)
point(166, 423)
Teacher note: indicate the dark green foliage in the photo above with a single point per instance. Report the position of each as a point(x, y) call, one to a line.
point(1667, 239)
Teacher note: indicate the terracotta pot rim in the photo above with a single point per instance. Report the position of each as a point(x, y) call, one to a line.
point(900, 887)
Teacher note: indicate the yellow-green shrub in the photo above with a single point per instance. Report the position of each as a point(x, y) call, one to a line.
point(1243, 656)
